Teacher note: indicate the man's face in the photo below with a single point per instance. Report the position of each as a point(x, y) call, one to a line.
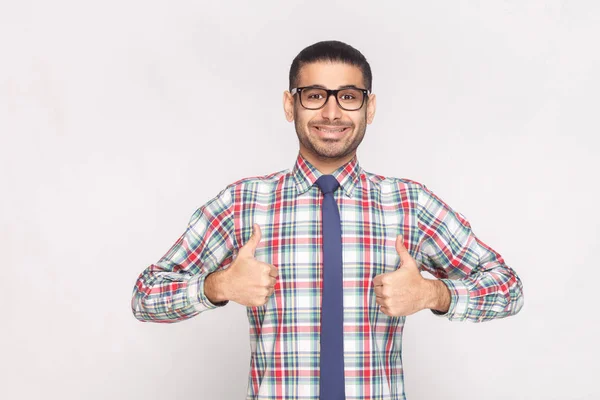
point(318, 130)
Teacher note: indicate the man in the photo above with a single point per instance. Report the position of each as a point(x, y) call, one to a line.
point(327, 256)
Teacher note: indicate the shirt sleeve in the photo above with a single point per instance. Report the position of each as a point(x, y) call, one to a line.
point(173, 289)
point(481, 285)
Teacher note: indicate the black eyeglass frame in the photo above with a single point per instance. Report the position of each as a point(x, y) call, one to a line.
point(330, 92)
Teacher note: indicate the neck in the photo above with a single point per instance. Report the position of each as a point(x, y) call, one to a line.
point(326, 165)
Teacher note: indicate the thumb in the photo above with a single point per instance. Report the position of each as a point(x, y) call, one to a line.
point(402, 251)
point(254, 240)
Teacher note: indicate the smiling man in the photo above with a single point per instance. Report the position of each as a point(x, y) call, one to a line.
point(326, 256)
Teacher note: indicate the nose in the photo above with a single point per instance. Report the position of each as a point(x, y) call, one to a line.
point(331, 110)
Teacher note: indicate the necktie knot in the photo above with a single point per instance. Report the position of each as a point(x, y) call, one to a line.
point(327, 183)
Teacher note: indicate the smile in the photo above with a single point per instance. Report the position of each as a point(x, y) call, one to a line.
point(331, 131)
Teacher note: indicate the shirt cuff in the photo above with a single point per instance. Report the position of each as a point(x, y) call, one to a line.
point(459, 301)
point(197, 297)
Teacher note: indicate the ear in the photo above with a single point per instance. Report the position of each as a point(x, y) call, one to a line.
point(371, 106)
point(288, 106)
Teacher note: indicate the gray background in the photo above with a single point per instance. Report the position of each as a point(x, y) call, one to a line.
point(119, 118)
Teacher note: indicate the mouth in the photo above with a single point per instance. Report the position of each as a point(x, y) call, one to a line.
point(330, 132)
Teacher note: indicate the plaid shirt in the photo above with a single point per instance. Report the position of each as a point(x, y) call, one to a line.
point(284, 333)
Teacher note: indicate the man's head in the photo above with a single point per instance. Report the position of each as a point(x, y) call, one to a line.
point(318, 117)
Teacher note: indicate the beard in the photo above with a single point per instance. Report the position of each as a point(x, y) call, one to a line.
point(330, 149)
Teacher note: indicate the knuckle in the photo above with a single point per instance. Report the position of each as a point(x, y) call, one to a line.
point(265, 282)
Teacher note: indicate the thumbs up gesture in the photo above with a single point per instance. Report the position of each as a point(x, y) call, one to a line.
point(404, 291)
point(250, 282)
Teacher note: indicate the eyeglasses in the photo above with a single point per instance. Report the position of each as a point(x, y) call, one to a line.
point(315, 98)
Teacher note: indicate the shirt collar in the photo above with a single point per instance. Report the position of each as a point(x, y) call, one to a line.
point(306, 174)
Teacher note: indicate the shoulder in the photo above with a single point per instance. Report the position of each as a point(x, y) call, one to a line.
point(224, 200)
point(391, 184)
point(258, 181)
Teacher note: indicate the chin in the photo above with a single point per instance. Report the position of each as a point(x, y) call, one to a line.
point(331, 152)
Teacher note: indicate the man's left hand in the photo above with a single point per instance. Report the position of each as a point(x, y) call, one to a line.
point(404, 291)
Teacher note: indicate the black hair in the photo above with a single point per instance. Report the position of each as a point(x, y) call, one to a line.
point(332, 51)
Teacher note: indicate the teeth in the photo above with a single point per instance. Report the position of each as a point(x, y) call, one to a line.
point(330, 130)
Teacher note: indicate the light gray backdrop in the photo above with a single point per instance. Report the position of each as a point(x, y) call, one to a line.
point(119, 118)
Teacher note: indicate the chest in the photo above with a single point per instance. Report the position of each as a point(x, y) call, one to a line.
point(292, 237)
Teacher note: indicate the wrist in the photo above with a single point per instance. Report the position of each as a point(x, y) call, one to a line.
point(215, 287)
point(439, 296)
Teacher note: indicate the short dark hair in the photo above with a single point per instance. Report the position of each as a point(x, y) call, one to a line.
point(332, 51)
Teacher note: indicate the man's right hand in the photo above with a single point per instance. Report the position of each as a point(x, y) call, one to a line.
point(247, 281)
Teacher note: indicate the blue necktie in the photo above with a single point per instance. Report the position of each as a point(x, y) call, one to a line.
point(331, 385)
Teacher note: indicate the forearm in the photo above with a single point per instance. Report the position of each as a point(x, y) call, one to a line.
point(496, 292)
point(492, 293)
point(169, 297)
point(481, 286)
point(172, 289)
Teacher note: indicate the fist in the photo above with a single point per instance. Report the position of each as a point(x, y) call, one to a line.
point(404, 291)
point(251, 282)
